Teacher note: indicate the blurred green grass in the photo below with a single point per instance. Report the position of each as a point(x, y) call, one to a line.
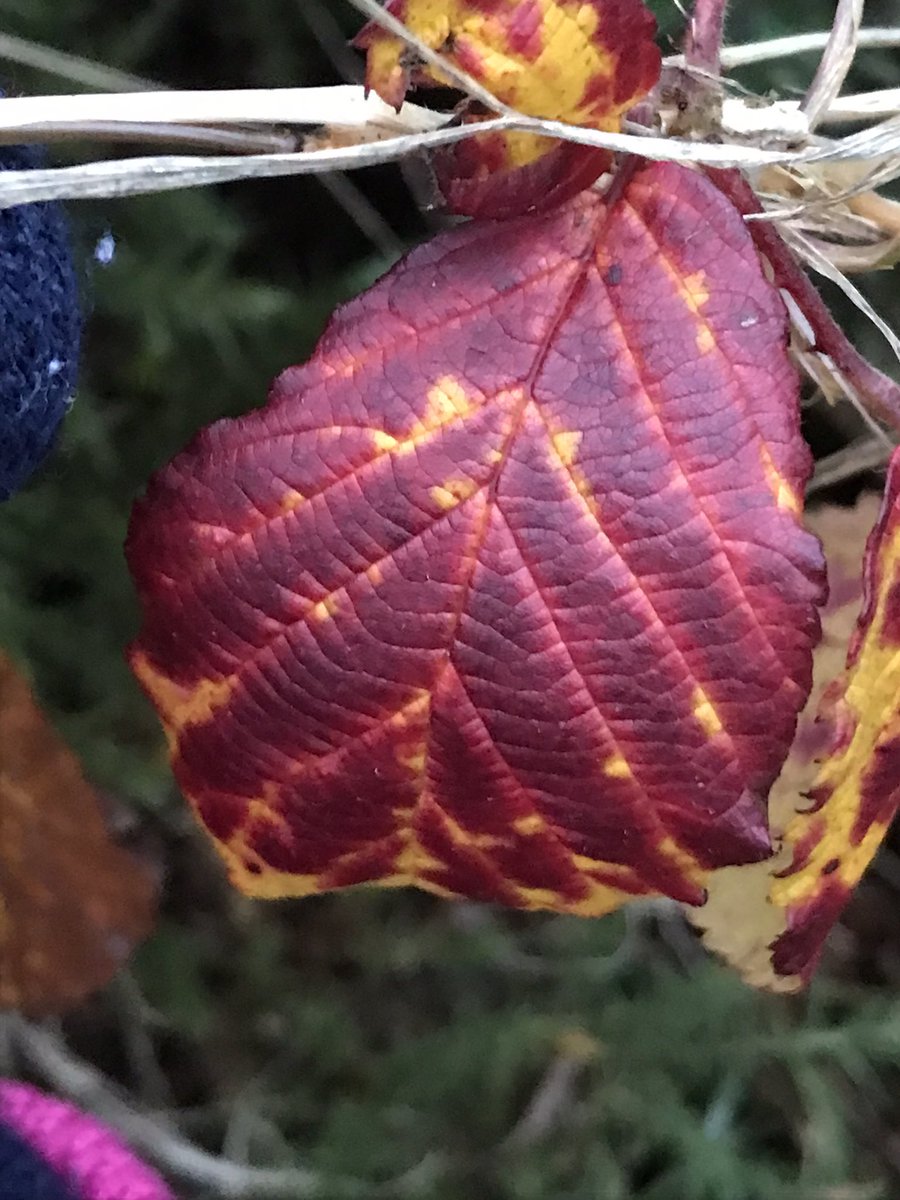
point(514, 1057)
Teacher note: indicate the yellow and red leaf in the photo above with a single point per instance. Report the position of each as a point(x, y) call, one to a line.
point(856, 790)
point(505, 593)
point(585, 62)
point(72, 903)
point(840, 788)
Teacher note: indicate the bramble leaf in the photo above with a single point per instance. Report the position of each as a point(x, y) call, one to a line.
point(582, 61)
point(841, 785)
point(72, 903)
point(505, 593)
point(856, 790)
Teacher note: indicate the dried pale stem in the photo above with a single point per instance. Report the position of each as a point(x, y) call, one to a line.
point(866, 454)
point(139, 176)
point(67, 66)
point(879, 210)
point(379, 133)
point(94, 75)
point(881, 38)
point(345, 105)
point(546, 1110)
point(863, 106)
point(225, 141)
point(819, 262)
point(363, 213)
point(142, 175)
point(835, 62)
point(819, 194)
point(340, 106)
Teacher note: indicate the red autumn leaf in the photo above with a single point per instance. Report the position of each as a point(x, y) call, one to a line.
point(504, 594)
point(72, 903)
point(582, 61)
point(478, 177)
point(840, 786)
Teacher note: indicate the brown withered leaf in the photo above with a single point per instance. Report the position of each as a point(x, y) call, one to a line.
point(72, 903)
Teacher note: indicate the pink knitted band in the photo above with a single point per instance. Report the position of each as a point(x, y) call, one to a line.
point(94, 1162)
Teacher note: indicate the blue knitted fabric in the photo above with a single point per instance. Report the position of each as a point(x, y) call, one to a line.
point(40, 328)
point(23, 1173)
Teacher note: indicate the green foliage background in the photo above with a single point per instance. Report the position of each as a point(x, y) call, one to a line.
point(421, 1048)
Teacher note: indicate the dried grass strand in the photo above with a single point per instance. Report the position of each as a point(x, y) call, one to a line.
point(199, 137)
point(384, 135)
point(750, 53)
point(814, 258)
point(836, 61)
point(78, 70)
point(863, 106)
point(865, 454)
point(342, 105)
point(150, 174)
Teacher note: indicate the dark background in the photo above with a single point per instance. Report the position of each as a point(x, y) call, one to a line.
point(502, 1056)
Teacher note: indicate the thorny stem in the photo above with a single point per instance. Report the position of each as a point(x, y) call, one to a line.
point(700, 106)
point(880, 393)
point(703, 44)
